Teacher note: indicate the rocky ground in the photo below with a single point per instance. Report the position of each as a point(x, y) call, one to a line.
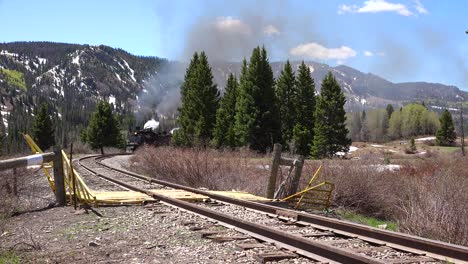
point(154, 233)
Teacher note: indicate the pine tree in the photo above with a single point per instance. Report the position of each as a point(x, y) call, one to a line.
point(103, 129)
point(330, 121)
point(42, 129)
point(257, 118)
point(303, 132)
point(225, 116)
point(200, 100)
point(389, 110)
point(184, 136)
point(246, 110)
point(446, 136)
point(286, 95)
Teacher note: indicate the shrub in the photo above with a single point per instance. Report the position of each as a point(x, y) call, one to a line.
point(208, 168)
point(427, 197)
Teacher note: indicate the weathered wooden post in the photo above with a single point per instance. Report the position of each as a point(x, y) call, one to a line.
point(59, 181)
point(274, 170)
point(297, 175)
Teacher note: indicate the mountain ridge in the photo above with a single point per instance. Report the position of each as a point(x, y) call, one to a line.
point(64, 74)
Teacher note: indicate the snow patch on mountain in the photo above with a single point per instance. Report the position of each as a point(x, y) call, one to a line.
point(132, 72)
point(76, 60)
point(111, 99)
point(442, 108)
point(5, 52)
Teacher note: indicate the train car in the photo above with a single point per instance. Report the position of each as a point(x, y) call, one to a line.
point(148, 135)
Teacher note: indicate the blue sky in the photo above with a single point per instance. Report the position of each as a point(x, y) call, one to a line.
point(401, 40)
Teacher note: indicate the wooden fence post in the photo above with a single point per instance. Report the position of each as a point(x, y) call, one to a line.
point(297, 175)
point(274, 171)
point(59, 181)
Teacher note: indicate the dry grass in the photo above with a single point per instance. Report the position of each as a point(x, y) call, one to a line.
point(426, 197)
point(207, 168)
point(10, 189)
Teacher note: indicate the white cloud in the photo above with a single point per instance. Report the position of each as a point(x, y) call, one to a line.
point(419, 7)
point(271, 30)
point(229, 24)
point(346, 9)
point(368, 53)
point(376, 6)
point(316, 51)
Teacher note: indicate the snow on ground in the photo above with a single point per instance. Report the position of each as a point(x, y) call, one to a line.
point(42, 60)
point(440, 107)
point(5, 52)
point(59, 91)
point(132, 75)
point(389, 167)
point(73, 80)
point(425, 139)
point(378, 146)
point(351, 149)
point(55, 72)
point(112, 99)
point(5, 121)
point(76, 60)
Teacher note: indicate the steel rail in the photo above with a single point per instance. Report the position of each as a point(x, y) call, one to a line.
point(438, 249)
point(298, 243)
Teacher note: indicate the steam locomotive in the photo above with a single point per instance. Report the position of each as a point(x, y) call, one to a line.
point(148, 135)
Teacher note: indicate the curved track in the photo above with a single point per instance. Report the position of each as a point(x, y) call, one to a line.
point(320, 238)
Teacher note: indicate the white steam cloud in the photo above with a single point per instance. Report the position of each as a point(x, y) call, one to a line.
point(316, 51)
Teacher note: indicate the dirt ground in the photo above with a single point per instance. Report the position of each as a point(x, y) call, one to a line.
point(154, 233)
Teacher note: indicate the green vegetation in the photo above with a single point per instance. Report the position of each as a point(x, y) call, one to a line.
point(366, 220)
point(389, 110)
point(200, 100)
point(382, 125)
point(330, 117)
point(448, 149)
point(446, 136)
point(303, 132)
point(286, 97)
point(9, 257)
point(413, 120)
point(14, 79)
point(43, 130)
point(224, 134)
point(257, 117)
point(103, 130)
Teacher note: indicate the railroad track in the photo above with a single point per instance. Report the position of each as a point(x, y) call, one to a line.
point(318, 238)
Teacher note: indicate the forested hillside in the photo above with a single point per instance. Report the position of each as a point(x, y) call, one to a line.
point(70, 78)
